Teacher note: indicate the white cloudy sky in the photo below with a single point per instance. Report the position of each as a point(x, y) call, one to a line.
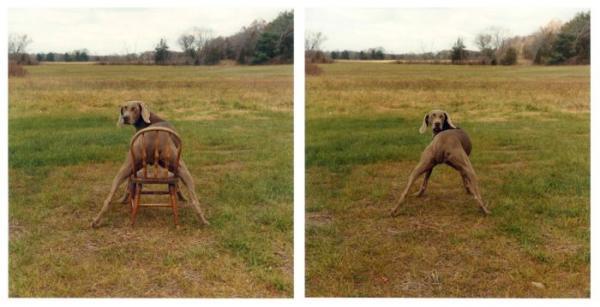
point(121, 30)
point(421, 30)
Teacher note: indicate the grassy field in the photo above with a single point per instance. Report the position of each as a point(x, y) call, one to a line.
point(531, 151)
point(236, 125)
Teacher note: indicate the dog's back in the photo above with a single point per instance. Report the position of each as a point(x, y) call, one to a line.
point(155, 144)
point(454, 135)
point(162, 123)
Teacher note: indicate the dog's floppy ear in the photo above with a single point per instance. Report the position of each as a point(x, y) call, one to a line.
point(448, 122)
point(425, 124)
point(120, 121)
point(144, 112)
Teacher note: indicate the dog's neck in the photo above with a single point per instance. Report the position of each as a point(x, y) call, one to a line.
point(141, 124)
point(434, 133)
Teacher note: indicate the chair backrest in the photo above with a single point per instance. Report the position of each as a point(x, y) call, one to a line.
point(159, 147)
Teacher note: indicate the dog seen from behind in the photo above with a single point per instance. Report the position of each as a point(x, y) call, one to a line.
point(450, 145)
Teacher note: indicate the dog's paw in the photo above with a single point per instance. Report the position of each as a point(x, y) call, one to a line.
point(419, 194)
point(203, 220)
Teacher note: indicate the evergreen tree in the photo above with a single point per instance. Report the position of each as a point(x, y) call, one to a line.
point(459, 52)
point(161, 52)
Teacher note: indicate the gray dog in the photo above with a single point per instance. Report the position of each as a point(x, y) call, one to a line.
point(136, 113)
point(450, 145)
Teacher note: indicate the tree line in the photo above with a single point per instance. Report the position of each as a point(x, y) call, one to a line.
point(260, 42)
point(552, 44)
point(81, 55)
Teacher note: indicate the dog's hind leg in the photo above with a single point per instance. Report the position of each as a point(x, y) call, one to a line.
point(188, 181)
point(462, 163)
point(424, 185)
point(466, 184)
point(125, 198)
point(180, 196)
point(122, 175)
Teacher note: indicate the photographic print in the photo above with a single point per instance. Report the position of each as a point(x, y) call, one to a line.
point(203, 98)
point(448, 152)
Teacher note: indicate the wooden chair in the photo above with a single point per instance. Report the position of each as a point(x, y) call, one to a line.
point(155, 163)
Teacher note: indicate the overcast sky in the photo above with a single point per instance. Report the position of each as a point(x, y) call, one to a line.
point(422, 30)
point(121, 30)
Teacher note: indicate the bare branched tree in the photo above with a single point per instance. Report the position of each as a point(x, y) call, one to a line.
point(483, 41)
point(17, 46)
point(202, 36)
point(539, 49)
point(186, 42)
point(499, 36)
point(492, 43)
point(243, 43)
point(314, 40)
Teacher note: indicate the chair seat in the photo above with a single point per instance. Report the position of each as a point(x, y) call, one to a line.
point(161, 173)
point(170, 180)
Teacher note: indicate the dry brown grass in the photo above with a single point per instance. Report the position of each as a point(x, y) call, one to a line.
point(470, 92)
point(312, 69)
point(212, 91)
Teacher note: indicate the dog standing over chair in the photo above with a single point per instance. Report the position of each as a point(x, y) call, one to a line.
point(136, 113)
point(450, 145)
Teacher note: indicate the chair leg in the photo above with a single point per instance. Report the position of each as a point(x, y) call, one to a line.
point(131, 196)
point(173, 194)
point(136, 205)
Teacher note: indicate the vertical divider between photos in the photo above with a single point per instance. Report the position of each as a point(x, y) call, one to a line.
point(4, 155)
point(594, 168)
point(299, 165)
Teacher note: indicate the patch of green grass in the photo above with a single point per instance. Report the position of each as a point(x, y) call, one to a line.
point(64, 150)
point(340, 142)
point(530, 132)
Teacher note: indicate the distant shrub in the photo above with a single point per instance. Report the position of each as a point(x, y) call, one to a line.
point(317, 56)
point(312, 69)
point(16, 70)
point(212, 55)
point(510, 57)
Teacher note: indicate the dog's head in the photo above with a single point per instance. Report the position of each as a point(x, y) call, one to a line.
point(438, 121)
point(133, 111)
